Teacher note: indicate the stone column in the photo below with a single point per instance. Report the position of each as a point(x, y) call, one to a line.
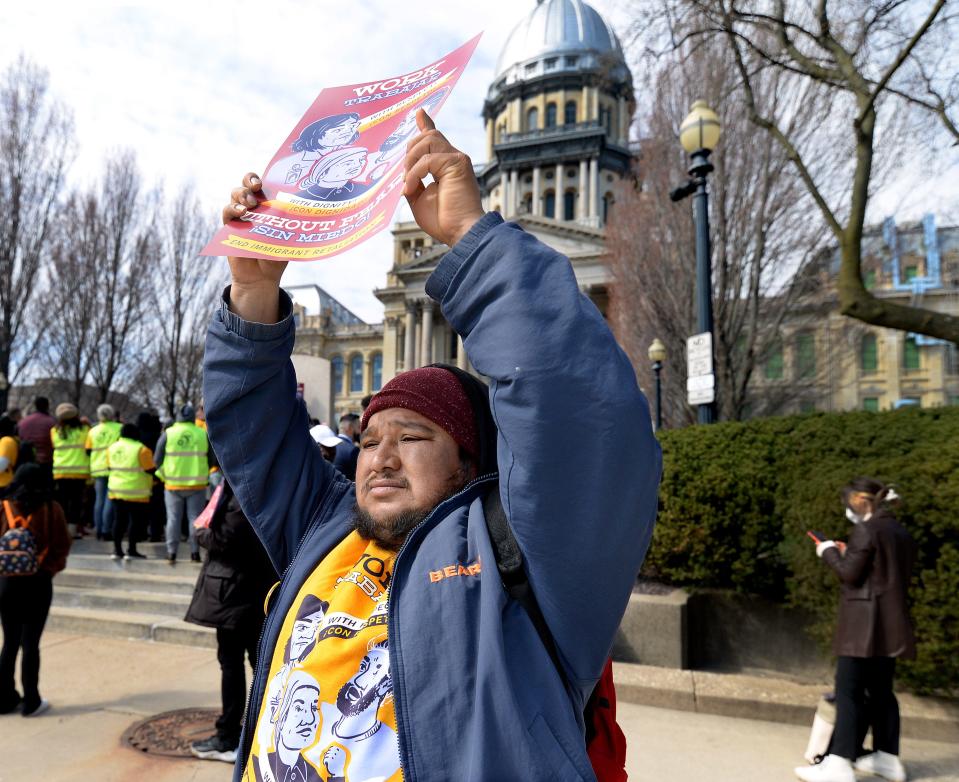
point(426, 352)
point(537, 197)
point(408, 338)
point(367, 373)
point(504, 184)
point(513, 192)
point(460, 353)
point(583, 200)
point(594, 187)
point(558, 188)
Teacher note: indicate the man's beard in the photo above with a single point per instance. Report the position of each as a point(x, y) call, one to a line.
point(392, 531)
point(350, 708)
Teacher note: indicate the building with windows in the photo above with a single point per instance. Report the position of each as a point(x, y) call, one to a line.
point(827, 361)
point(557, 119)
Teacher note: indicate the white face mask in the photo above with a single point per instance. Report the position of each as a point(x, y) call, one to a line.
point(854, 517)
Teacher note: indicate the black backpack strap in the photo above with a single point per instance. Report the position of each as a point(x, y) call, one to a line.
point(509, 562)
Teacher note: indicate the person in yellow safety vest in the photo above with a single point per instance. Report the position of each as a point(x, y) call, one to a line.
point(99, 438)
point(129, 486)
point(183, 458)
point(9, 450)
point(71, 465)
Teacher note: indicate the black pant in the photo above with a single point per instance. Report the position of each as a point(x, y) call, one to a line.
point(864, 699)
point(132, 516)
point(231, 646)
point(71, 494)
point(24, 605)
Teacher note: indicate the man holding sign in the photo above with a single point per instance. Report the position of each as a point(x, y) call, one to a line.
point(423, 666)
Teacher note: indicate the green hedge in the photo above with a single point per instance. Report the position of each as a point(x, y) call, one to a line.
point(737, 499)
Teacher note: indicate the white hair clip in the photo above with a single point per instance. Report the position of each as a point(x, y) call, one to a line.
point(891, 495)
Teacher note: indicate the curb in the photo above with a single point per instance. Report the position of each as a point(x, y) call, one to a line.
point(769, 699)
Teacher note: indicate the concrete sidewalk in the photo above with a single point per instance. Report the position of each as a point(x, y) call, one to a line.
point(99, 687)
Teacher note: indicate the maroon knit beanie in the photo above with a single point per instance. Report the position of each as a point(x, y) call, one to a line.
point(434, 393)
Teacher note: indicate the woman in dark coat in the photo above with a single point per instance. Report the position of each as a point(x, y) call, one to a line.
point(25, 600)
point(873, 629)
point(229, 595)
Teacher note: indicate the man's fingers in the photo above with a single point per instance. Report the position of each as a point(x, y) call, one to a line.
point(252, 182)
point(413, 191)
point(431, 140)
point(243, 195)
point(431, 163)
point(424, 121)
point(233, 211)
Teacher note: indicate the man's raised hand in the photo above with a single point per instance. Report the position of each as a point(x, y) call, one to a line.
point(255, 292)
point(450, 205)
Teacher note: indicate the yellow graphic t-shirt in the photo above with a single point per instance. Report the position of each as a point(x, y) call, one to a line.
point(327, 712)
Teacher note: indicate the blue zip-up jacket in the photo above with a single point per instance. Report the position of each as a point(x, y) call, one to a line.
point(477, 696)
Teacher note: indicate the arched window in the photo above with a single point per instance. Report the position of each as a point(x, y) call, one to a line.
point(550, 115)
point(869, 353)
point(337, 363)
point(569, 112)
point(356, 374)
point(377, 371)
point(569, 205)
point(532, 119)
point(549, 203)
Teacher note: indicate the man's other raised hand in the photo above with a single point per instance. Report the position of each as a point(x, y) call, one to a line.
point(449, 206)
point(255, 291)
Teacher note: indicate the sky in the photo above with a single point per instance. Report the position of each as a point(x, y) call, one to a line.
point(204, 92)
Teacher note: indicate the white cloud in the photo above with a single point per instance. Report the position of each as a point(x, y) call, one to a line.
point(207, 91)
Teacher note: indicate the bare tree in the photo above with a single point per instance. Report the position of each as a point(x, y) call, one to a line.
point(882, 60)
point(123, 273)
point(182, 291)
point(763, 244)
point(36, 146)
point(69, 299)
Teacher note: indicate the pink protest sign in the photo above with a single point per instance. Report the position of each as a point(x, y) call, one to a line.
point(338, 177)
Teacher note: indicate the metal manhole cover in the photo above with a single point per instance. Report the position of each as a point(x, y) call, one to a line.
point(172, 732)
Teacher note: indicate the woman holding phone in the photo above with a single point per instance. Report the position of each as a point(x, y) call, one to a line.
point(873, 629)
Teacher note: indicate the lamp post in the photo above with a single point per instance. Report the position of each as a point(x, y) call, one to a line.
point(657, 354)
point(699, 135)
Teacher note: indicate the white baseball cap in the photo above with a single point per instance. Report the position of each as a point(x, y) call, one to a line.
point(325, 436)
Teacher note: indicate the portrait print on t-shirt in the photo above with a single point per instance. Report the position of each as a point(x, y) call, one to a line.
point(336, 648)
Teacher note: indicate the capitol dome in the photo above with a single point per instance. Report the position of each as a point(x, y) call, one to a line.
point(558, 35)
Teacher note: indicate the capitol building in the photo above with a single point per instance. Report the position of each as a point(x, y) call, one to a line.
point(557, 119)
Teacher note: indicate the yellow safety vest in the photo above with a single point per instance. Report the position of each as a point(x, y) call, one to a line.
point(185, 464)
point(128, 480)
point(70, 459)
point(102, 436)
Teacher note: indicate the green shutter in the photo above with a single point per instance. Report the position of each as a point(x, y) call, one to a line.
point(773, 366)
point(871, 404)
point(805, 355)
point(869, 353)
point(910, 354)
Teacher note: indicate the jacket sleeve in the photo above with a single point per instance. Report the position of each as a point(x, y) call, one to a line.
point(260, 430)
point(578, 463)
point(160, 453)
point(853, 566)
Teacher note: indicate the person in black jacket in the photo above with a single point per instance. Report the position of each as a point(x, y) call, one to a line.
point(229, 595)
point(874, 628)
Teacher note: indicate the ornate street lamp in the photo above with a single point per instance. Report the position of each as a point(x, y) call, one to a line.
point(657, 354)
point(699, 135)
